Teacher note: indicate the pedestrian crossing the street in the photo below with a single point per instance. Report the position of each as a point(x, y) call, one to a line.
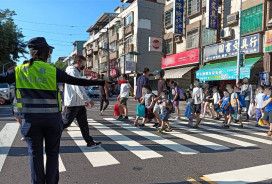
point(209, 135)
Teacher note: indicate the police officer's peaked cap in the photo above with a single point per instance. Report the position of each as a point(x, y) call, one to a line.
point(38, 42)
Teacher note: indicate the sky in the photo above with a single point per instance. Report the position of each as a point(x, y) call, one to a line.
point(34, 17)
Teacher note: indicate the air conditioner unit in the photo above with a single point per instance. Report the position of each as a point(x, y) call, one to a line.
point(232, 18)
point(178, 39)
point(225, 32)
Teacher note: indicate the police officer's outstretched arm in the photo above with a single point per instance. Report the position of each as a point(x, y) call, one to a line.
point(8, 77)
point(63, 77)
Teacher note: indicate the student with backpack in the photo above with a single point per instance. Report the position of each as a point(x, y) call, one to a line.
point(148, 101)
point(216, 99)
point(198, 97)
point(267, 108)
point(177, 96)
point(259, 104)
point(166, 111)
point(227, 109)
point(247, 92)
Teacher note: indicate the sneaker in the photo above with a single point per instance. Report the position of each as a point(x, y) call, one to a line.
point(241, 126)
point(225, 126)
point(178, 118)
point(142, 125)
point(120, 118)
point(22, 139)
point(217, 118)
point(257, 125)
point(124, 118)
point(160, 130)
point(168, 130)
point(156, 124)
point(93, 145)
point(269, 133)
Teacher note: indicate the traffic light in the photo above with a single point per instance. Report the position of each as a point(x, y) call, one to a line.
point(242, 59)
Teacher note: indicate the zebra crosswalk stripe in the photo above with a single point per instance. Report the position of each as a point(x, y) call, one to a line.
point(214, 136)
point(98, 157)
point(7, 135)
point(202, 142)
point(131, 145)
point(155, 138)
point(256, 139)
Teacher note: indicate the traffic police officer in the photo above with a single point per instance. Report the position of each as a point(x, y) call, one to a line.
point(38, 100)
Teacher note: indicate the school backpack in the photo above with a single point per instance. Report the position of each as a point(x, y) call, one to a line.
point(241, 100)
point(180, 94)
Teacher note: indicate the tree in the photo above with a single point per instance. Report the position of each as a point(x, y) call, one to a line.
point(12, 45)
point(60, 65)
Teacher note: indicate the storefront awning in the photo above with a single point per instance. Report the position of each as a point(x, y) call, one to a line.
point(177, 73)
point(225, 70)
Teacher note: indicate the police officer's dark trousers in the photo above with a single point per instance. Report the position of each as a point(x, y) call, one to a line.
point(37, 128)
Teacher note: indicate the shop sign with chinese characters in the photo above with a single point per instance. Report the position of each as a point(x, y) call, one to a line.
point(268, 41)
point(249, 45)
point(223, 74)
point(178, 17)
point(212, 14)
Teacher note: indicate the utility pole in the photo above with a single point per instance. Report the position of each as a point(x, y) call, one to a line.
point(108, 48)
point(239, 45)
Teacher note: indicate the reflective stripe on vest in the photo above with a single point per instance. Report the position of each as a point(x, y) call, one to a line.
point(40, 77)
point(37, 101)
point(35, 110)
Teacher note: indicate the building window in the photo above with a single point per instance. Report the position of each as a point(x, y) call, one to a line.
point(208, 36)
point(113, 46)
point(168, 18)
point(252, 19)
point(128, 19)
point(192, 39)
point(193, 7)
point(168, 46)
point(114, 30)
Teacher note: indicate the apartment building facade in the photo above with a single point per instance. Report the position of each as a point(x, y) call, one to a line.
point(120, 40)
point(213, 49)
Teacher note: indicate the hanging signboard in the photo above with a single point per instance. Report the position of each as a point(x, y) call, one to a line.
point(155, 44)
point(212, 14)
point(268, 41)
point(178, 17)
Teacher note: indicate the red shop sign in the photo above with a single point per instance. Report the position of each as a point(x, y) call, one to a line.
point(113, 72)
point(112, 64)
point(183, 58)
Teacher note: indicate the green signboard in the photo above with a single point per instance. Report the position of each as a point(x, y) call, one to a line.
point(252, 19)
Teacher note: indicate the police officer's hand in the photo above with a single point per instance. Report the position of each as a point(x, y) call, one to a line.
point(2, 101)
point(92, 103)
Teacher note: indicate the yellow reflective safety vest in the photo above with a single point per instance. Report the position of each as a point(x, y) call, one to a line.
point(36, 89)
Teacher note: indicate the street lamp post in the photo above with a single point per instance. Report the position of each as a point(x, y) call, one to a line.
point(239, 45)
point(4, 66)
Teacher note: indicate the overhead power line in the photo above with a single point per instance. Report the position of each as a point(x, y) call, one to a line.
point(61, 25)
point(72, 34)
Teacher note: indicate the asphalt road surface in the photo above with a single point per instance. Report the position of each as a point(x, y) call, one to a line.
point(139, 155)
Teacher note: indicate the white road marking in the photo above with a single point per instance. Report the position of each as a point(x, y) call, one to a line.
point(214, 136)
point(196, 140)
point(243, 176)
point(155, 138)
point(98, 157)
point(7, 136)
point(131, 145)
point(237, 134)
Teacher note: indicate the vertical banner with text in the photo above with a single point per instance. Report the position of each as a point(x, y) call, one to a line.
point(212, 14)
point(178, 17)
